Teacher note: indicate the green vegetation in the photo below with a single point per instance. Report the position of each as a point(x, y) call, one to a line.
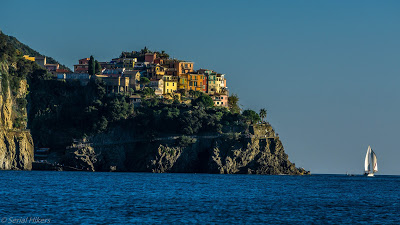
point(263, 114)
point(14, 70)
point(203, 101)
point(233, 103)
point(251, 115)
point(97, 67)
point(144, 81)
point(26, 50)
point(92, 66)
point(148, 92)
point(68, 110)
point(156, 117)
point(184, 141)
point(140, 55)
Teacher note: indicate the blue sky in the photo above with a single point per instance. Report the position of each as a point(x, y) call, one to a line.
point(327, 71)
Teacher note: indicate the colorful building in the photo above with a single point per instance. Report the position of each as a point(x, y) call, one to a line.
point(184, 67)
point(177, 67)
point(155, 71)
point(83, 66)
point(150, 57)
point(183, 82)
point(27, 57)
point(170, 84)
point(196, 82)
point(220, 100)
point(212, 83)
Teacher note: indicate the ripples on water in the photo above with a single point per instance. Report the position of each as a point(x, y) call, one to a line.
point(124, 198)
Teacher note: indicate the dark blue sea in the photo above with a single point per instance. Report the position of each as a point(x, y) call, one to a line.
point(146, 198)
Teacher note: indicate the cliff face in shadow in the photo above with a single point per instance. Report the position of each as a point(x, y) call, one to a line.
point(253, 153)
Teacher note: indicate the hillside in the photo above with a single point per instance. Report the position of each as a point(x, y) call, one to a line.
point(87, 129)
point(26, 50)
point(16, 144)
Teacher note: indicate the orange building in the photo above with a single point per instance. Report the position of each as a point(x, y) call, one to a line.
point(184, 67)
point(177, 67)
point(196, 82)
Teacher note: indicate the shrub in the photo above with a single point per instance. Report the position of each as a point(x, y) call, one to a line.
point(184, 141)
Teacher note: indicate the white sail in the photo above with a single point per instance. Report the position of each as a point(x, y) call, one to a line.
point(374, 162)
point(367, 160)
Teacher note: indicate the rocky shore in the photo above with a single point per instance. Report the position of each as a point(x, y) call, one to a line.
point(260, 152)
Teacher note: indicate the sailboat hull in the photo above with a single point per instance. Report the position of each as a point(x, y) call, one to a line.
point(370, 175)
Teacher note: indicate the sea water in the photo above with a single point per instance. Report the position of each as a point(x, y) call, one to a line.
point(146, 198)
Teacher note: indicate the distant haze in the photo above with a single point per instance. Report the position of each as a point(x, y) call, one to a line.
point(327, 72)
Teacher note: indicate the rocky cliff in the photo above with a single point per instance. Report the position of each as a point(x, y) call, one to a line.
point(257, 152)
point(16, 144)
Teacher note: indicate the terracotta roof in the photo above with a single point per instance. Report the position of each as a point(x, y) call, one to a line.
point(62, 71)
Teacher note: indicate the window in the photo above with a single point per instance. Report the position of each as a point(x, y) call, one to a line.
point(173, 84)
point(167, 84)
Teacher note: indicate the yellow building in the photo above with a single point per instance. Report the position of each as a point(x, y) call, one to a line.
point(156, 71)
point(170, 84)
point(183, 82)
point(29, 58)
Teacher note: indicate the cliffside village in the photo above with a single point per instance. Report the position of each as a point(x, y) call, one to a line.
point(168, 77)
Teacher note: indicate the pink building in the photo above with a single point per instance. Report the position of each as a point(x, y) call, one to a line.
point(220, 100)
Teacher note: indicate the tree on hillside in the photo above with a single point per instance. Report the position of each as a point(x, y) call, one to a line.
point(145, 50)
point(97, 67)
point(148, 92)
point(92, 66)
point(144, 81)
point(263, 114)
point(251, 115)
point(204, 100)
point(233, 103)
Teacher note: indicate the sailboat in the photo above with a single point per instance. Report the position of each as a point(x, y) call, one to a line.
point(371, 163)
